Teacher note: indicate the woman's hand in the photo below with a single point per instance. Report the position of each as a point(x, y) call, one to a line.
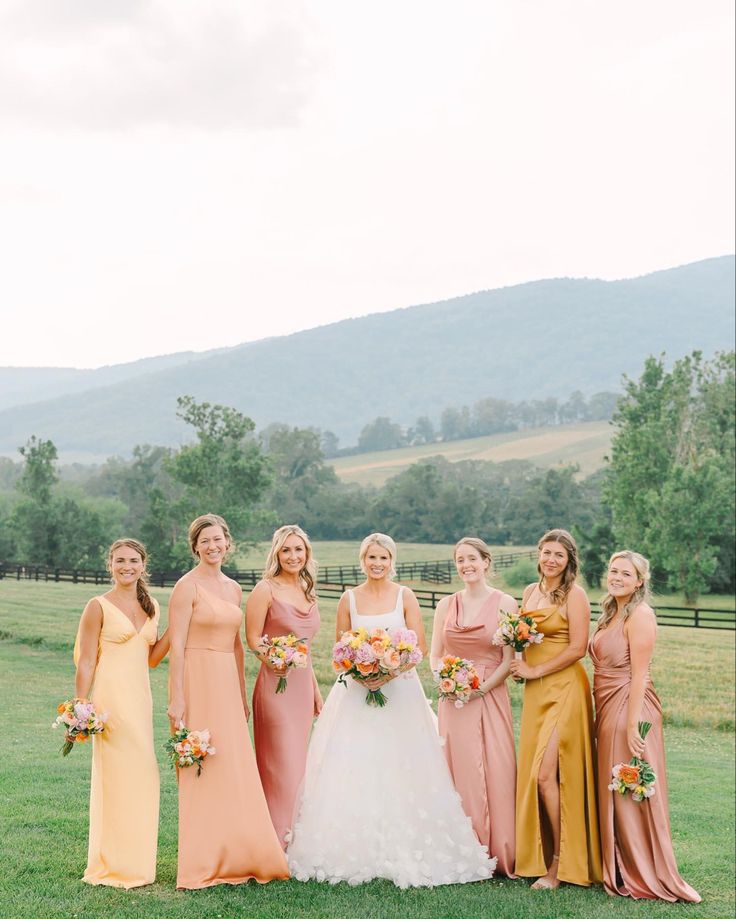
point(634, 740)
point(522, 670)
point(377, 682)
point(176, 713)
point(317, 702)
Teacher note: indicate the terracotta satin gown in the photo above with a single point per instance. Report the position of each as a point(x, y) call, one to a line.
point(282, 722)
point(561, 702)
point(225, 831)
point(124, 792)
point(638, 860)
point(479, 737)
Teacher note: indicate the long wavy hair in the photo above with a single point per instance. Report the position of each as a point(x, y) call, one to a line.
point(609, 606)
point(569, 575)
point(141, 585)
point(475, 542)
point(308, 574)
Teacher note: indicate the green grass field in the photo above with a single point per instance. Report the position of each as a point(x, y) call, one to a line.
point(585, 444)
point(43, 819)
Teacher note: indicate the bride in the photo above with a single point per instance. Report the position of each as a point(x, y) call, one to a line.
point(378, 800)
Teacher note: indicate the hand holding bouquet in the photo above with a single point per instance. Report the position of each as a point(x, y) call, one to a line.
point(79, 720)
point(458, 679)
point(189, 748)
point(636, 776)
point(365, 655)
point(517, 630)
point(284, 652)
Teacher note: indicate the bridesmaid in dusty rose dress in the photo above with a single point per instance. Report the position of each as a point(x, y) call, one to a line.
point(479, 738)
point(283, 602)
point(638, 860)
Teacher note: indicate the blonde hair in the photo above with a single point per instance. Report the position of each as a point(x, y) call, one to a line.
point(141, 585)
point(480, 547)
point(385, 542)
point(201, 523)
point(609, 606)
point(569, 575)
point(308, 574)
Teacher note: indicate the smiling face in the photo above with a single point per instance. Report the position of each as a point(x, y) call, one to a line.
point(470, 564)
point(211, 545)
point(377, 562)
point(553, 560)
point(126, 566)
point(292, 555)
point(622, 580)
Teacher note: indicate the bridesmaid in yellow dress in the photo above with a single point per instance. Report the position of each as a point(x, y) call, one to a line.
point(225, 831)
point(638, 860)
point(116, 644)
point(283, 602)
point(479, 737)
point(556, 816)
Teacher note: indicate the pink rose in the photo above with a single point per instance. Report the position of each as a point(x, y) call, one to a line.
point(391, 659)
point(447, 685)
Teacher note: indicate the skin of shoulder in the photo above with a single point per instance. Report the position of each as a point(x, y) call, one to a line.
point(641, 619)
point(508, 604)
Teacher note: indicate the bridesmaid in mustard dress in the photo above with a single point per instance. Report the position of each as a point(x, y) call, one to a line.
point(116, 644)
point(479, 737)
point(284, 602)
point(225, 833)
point(556, 816)
point(638, 860)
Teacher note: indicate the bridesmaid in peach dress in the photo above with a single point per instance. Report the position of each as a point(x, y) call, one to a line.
point(479, 737)
point(638, 860)
point(116, 644)
point(284, 602)
point(225, 832)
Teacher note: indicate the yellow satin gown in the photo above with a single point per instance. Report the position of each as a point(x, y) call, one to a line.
point(560, 701)
point(124, 791)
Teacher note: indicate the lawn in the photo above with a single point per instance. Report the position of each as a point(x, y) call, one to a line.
point(43, 819)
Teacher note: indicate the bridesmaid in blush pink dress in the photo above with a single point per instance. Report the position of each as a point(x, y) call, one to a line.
point(638, 860)
point(284, 602)
point(479, 737)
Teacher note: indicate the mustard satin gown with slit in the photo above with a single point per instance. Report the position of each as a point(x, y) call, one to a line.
point(558, 702)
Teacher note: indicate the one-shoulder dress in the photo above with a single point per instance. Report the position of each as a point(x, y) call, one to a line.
point(638, 859)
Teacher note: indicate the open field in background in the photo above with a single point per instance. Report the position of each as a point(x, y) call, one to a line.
point(43, 819)
point(585, 444)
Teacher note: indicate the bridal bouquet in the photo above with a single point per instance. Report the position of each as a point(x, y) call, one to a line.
point(364, 655)
point(636, 776)
point(79, 720)
point(189, 748)
point(457, 680)
point(285, 652)
point(518, 631)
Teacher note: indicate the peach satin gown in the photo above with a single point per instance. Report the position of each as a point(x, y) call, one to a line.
point(638, 860)
point(479, 737)
point(282, 722)
point(225, 831)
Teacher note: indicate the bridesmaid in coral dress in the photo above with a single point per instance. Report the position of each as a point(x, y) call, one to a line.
point(116, 644)
point(225, 832)
point(284, 602)
point(556, 817)
point(479, 737)
point(638, 860)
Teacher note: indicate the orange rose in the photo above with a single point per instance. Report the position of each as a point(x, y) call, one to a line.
point(367, 668)
point(61, 708)
point(337, 667)
point(522, 631)
point(629, 774)
point(81, 738)
point(302, 648)
point(474, 683)
point(347, 665)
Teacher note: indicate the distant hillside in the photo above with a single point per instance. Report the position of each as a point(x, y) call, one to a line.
point(536, 340)
point(585, 444)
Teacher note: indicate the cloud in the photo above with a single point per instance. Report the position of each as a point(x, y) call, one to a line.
point(104, 65)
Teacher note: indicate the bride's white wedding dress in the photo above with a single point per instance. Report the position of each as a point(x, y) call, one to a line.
point(378, 800)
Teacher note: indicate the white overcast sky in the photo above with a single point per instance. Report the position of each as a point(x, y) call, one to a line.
point(179, 174)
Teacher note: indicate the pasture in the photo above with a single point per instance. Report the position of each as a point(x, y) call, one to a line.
point(585, 443)
point(44, 797)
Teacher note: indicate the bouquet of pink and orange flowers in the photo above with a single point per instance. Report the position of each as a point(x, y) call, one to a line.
point(636, 776)
point(79, 720)
point(457, 680)
point(518, 631)
point(189, 748)
point(287, 652)
point(364, 655)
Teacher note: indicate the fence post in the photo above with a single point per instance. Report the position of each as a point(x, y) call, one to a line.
point(697, 618)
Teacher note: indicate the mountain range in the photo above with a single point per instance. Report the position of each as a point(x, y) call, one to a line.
point(530, 341)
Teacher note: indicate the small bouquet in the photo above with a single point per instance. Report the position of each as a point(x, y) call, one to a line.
point(518, 631)
point(457, 680)
point(189, 748)
point(364, 655)
point(79, 720)
point(286, 652)
point(636, 776)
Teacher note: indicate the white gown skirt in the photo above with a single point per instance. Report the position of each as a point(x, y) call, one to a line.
point(378, 800)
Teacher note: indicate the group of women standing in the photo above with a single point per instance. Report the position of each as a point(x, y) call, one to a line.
point(378, 792)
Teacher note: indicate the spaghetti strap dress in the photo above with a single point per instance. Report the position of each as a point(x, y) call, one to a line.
point(558, 702)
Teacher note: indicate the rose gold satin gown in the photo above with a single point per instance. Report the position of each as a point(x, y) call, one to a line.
point(282, 722)
point(225, 831)
point(479, 737)
point(638, 860)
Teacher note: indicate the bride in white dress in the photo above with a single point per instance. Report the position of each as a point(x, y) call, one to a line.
point(378, 800)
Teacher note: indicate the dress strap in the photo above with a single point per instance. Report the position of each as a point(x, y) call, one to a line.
point(399, 608)
point(351, 602)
